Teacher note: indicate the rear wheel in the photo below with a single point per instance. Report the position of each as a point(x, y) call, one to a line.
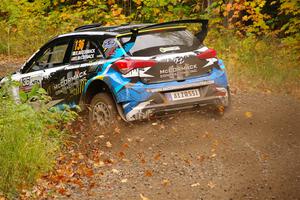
point(102, 113)
point(226, 101)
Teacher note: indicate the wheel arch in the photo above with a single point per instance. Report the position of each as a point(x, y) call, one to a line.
point(95, 87)
point(99, 86)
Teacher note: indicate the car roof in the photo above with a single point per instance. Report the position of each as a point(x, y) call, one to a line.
point(89, 30)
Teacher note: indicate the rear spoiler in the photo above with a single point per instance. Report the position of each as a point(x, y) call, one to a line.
point(200, 35)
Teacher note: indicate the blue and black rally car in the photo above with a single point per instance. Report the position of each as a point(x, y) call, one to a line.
point(133, 70)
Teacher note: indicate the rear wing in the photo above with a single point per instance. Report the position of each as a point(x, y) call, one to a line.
point(201, 35)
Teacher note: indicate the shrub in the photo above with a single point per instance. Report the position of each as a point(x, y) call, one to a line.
point(29, 139)
point(263, 61)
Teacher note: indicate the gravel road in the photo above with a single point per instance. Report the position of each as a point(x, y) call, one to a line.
point(251, 152)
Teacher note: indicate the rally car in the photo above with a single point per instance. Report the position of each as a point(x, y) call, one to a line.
point(135, 71)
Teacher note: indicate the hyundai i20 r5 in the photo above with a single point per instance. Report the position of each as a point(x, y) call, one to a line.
point(136, 71)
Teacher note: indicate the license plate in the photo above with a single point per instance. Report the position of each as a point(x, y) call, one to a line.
point(184, 94)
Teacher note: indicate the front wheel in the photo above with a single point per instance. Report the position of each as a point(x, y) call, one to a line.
point(102, 113)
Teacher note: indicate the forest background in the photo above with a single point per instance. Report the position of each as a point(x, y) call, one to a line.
point(258, 39)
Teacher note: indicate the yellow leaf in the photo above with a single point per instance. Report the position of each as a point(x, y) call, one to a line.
point(108, 144)
point(211, 184)
point(143, 197)
point(248, 114)
point(124, 180)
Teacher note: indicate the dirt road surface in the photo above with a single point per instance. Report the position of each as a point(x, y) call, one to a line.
point(251, 152)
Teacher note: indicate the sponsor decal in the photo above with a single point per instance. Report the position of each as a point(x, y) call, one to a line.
point(83, 55)
point(176, 70)
point(79, 45)
point(109, 43)
point(211, 61)
point(178, 60)
point(139, 72)
point(73, 83)
point(27, 82)
point(166, 49)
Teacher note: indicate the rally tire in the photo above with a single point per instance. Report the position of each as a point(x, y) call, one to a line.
point(227, 102)
point(102, 111)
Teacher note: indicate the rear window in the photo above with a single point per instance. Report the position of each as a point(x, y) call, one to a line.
point(154, 43)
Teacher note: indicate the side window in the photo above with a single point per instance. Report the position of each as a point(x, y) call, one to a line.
point(41, 62)
point(85, 50)
point(53, 56)
point(58, 54)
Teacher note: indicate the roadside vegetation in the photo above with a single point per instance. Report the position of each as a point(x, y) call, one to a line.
point(30, 137)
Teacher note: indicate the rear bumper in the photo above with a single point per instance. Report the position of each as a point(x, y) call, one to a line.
point(210, 94)
point(141, 101)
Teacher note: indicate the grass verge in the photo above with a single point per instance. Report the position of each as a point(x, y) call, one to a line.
point(29, 140)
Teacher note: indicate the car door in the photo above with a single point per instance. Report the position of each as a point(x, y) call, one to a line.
point(84, 58)
point(42, 67)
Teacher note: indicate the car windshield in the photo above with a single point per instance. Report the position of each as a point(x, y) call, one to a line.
point(169, 41)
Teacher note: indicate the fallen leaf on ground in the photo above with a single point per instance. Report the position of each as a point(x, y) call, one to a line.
point(206, 135)
point(80, 156)
point(125, 160)
point(213, 155)
point(125, 145)
point(174, 129)
point(195, 184)
point(166, 182)
point(115, 171)
point(121, 154)
point(221, 109)
point(99, 164)
point(108, 144)
point(143, 161)
point(201, 158)
point(124, 180)
point(154, 124)
point(143, 197)
point(162, 127)
point(89, 172)
point(148, 173)
point(211, 184)
point(108, 161)
point(157, 156)
point(248, 114)
point(117, 130)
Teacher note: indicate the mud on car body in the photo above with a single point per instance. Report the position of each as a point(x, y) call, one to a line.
point(137, 71)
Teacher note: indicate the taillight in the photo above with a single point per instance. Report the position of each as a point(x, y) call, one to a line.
point(209, 53)
point(127, 65)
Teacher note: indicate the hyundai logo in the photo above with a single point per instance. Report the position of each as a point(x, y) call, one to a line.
point(179, 60)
